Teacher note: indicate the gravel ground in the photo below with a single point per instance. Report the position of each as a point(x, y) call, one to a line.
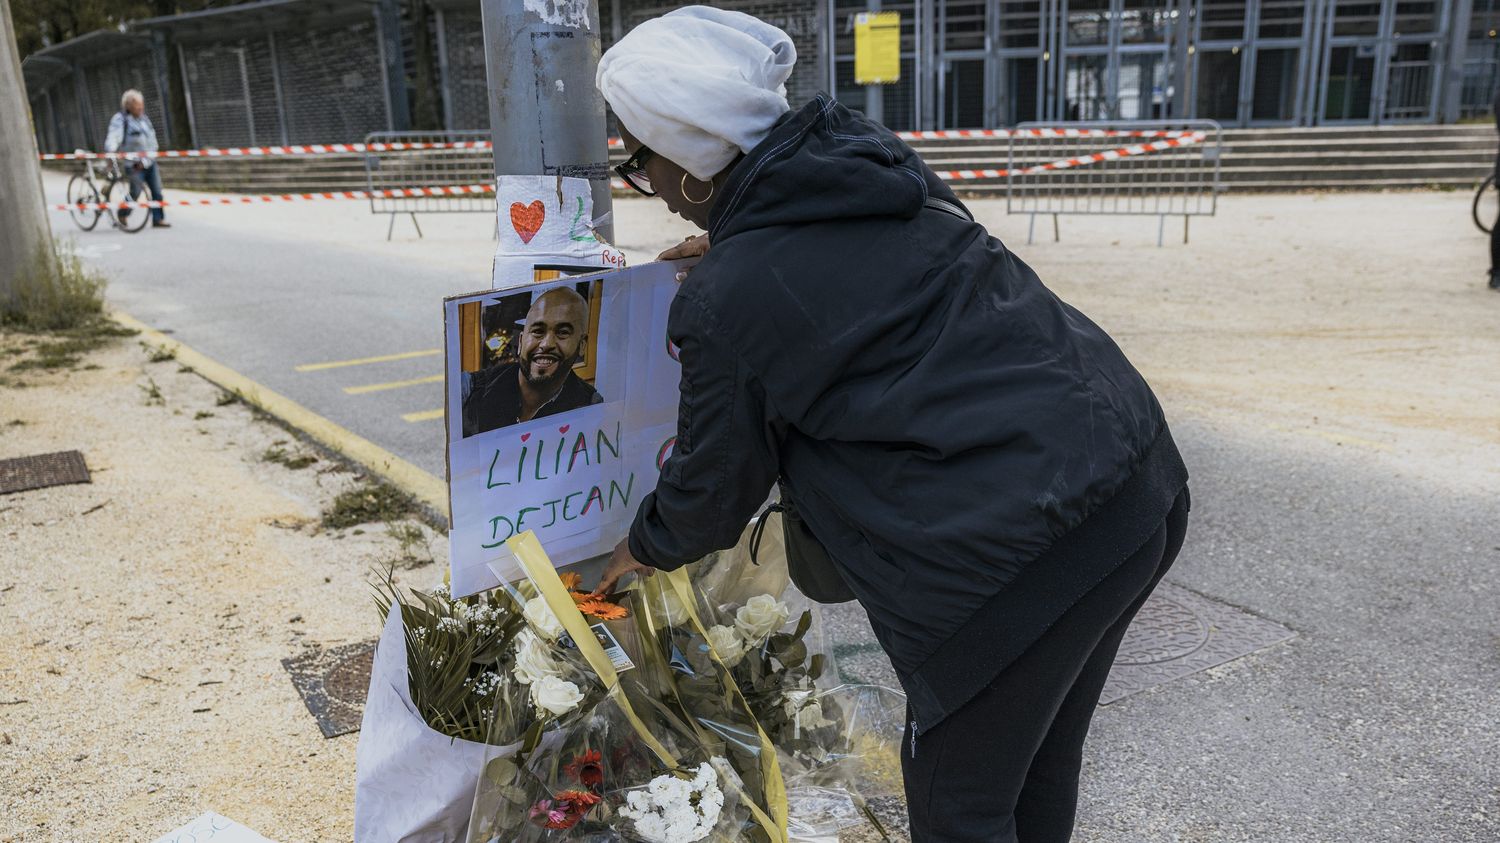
point(141, 680)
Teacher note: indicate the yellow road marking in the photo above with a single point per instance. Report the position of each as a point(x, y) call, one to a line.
point(384, 358)
point(380, 387)
point(400, 473)
point(425, 415)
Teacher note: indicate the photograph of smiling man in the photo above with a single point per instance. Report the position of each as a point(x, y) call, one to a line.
point(533, 362)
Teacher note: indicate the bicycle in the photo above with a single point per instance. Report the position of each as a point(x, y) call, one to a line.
point(1486, 204)
point(87, 202)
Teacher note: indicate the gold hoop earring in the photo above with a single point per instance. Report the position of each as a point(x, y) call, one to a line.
point(683, 188)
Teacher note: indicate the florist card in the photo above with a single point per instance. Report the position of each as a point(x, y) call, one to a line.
point(561, 404)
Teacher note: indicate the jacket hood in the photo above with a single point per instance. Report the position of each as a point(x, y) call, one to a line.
point(821, 163)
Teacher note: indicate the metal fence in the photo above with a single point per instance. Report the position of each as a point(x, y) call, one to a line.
point(401, 169)
point(284, 87)
point(1091, 172)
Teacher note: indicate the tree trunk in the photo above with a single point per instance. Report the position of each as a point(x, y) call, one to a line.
point(24, 230)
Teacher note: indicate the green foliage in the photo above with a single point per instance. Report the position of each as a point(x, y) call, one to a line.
point(154, 398)
point(450, 646)
point(367, 503)
point(290, 459)
point(56, 293)
point(43, 22)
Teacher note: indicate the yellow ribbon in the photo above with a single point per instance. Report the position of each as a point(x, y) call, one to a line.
point(772, 783)
point(543, 574)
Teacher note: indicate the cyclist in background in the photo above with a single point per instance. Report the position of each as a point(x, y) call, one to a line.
point(130, 130)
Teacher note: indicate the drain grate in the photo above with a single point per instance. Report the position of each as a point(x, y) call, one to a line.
point(1179, 633)
point(38, 472)
point(333, 684)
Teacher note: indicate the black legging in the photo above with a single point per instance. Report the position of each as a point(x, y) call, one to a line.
point(1495, 232)
point(1004, 768)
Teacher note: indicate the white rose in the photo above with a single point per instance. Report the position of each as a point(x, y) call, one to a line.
point(727, 643)
point(540, 616)
point(760, 617)
point(533, 659)
point(671, 610)
point(555, 695)
point(807, 712)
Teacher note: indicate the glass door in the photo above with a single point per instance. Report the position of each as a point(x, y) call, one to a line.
point(1349, 83)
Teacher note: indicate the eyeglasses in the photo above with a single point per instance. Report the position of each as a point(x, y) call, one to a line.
point(633, 171)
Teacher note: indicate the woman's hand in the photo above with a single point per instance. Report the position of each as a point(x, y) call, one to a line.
point(620, 564)
point(693, 247)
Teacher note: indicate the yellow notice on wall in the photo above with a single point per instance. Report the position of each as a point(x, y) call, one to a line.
point(877, 48)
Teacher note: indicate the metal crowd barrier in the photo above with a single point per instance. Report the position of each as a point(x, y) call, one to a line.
point(392, 169)
point(1182, 180)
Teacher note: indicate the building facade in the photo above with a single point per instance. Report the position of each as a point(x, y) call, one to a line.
point(308, 71)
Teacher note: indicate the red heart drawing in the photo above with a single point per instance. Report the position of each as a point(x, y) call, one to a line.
point(565, 428)
point(525, 436)
point(527, 219)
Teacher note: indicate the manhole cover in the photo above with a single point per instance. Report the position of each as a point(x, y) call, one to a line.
point(24, 473)
point(1163, 630)
point(333, 684)
point(1179, 633)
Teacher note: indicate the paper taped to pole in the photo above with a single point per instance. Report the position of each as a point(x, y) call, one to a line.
point(547, 221)
point(561, 408)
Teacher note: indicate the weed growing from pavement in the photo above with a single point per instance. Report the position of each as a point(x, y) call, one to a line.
point(367, 503)
point(158, 353)
point(154, 398)
point(227, 398)
point(409, 537)
point(203, 414)
point(64, 348)
point(283, 457)
point(56, 293)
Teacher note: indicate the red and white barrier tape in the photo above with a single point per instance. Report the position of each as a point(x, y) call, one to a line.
point(481, 189)
point(614, 143)
point(271, 151)
point(258, 199)
point(1083, 160)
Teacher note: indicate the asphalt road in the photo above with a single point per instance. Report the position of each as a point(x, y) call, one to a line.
point(310, 300)
point(1380, 721)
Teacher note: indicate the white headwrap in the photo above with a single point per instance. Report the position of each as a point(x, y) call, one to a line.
point(699, 85)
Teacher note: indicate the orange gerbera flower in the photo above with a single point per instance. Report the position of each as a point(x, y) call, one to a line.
point(587, 769)
point(571, 580)
point(579, 798)
point(602, 609)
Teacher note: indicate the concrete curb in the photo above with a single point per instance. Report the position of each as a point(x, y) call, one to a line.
point(431, 492)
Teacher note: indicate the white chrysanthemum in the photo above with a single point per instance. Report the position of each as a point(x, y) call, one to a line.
point(556, 695)
point(533, 658)
point(759, 617)
point(727, 642)
point(674, 810)
point(542, 619)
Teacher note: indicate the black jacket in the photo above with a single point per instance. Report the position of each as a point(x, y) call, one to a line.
point(940, 417)
point(495, 399)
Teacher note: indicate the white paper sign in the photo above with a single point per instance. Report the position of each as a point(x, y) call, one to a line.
point(212, 827)
point(561, 407)
point(543, 221)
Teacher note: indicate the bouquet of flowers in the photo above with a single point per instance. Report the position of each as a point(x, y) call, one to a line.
point(456, 682)
point(713, 726)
